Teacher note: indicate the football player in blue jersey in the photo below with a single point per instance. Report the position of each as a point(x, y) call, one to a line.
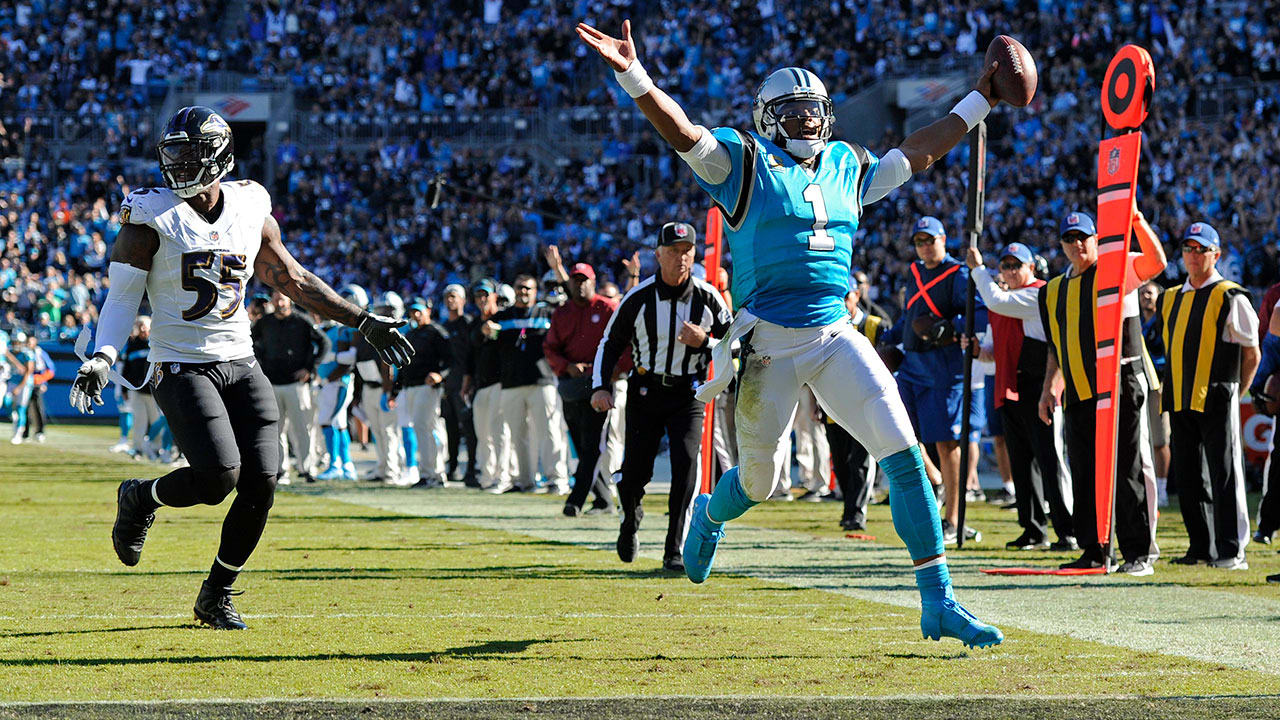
point(792, 199)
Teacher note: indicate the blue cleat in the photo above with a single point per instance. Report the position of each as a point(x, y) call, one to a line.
point(333, 473)
point(701, 541)
point(949, 618)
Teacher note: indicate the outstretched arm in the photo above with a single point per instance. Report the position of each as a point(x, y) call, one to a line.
point(281, 271)
point(278, 268)
point(1152, 260)
point(924, 146)
point(666, 115)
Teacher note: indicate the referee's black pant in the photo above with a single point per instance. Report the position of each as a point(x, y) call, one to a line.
point(1206, 449)
point(851, 464)
point(1131, 513)
point(1033, 463)
point(654, 409)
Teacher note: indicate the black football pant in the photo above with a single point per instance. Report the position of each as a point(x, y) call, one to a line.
point(652, 411)
point(1206, 449)
point(586, 428)
point(35, 413)
point(1131, 515)
point(458, 425)
point(1033, 462)
point(850, 462)
point(224, 419)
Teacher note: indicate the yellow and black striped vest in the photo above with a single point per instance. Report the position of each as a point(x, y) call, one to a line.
point(1192, 324)
point(1068, 308)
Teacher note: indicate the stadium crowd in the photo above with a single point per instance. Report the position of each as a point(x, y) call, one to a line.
point(413, 215)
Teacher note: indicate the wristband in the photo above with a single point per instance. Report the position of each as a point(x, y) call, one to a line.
point(972, 108)
point(634, 80)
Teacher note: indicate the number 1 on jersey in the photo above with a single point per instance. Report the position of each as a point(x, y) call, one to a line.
point(821, 239)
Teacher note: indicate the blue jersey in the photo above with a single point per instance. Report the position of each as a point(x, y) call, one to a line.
point(338, 334)
point(790, 229)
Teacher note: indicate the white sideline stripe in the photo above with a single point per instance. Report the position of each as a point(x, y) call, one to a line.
point(416, 616)
point(799, 699)
point(1214, 626)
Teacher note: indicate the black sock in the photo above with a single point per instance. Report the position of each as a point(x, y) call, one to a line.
point(178, 488)
point(220, 576)
point(145, 498)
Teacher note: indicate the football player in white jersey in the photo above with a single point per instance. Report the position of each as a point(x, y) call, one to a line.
point(192, 247)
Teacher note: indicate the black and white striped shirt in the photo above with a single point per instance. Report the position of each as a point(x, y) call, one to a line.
point(648, 320)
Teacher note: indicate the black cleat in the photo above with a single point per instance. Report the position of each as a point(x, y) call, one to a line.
point(673, 564)
point(214, 608)
point(132, 522)
point(628, 544)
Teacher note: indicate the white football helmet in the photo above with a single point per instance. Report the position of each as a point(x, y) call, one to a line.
point(355, 294)
point(391, 304)
point(793, 92)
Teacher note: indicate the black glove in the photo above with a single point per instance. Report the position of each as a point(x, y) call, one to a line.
point(382, 334)
point(91, 379)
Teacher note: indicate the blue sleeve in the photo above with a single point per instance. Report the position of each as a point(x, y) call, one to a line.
point(730, 195)
point(893, 336)
point(1268, 365)
point(872, 165)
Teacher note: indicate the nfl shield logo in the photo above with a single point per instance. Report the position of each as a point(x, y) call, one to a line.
point(923, 223)
point(213, 236)
point(1195, 229)
point(1113, 161)
point(1073, 219)
point(682, 231)
point(175, 368)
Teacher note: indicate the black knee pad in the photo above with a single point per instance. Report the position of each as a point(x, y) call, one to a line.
point(216, 484)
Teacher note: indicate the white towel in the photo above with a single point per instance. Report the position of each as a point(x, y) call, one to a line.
point(722, 357)
point(82, 345)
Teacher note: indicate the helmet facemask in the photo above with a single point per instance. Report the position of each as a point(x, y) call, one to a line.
point(784, 120)
point(191, 166)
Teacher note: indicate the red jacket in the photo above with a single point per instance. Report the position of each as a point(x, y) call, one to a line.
point(1006, 338)
point(576, 331)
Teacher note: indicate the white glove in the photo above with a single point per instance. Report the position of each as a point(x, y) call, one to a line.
point(91, 379)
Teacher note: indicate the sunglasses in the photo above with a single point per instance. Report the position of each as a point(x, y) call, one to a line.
point(919, 240)
point(1196, 248)
point(527, 287)
point(1074, 237)
point(1011, 266)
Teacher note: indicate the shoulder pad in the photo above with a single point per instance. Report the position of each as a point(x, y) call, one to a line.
point(254, 193)
point(143, 205)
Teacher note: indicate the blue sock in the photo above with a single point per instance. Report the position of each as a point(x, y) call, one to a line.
point(126, 426)
point(21, 421)
point(915, 518)
point(331, 444)
point(729, 500)
point(410, 447)
point(934, 582)
point(344, 445)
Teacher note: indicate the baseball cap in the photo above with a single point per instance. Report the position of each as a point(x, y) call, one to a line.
point(420, 303)
point(1078, 221)
point(583, 269)
point(1203, 233)
point(454, 289)
point(929, 225)
point(676, 232)
point(484, 286)
point(1019, 251)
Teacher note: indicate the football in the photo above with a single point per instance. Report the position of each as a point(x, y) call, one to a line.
point(1016, 79)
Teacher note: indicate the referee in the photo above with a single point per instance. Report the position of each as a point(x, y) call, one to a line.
point(1211, 340)
point(1068, 307)
point(668, 321)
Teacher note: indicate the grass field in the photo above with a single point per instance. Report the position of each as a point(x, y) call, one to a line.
point(464, 604)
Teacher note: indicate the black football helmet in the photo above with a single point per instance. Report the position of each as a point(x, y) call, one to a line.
point(195, 150)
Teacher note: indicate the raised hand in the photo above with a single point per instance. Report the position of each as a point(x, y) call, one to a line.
point(633, 265)
point(383, 334)
point(618, 53)
point(552, 255)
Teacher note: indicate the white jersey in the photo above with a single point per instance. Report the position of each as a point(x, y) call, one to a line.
point(198, 275)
